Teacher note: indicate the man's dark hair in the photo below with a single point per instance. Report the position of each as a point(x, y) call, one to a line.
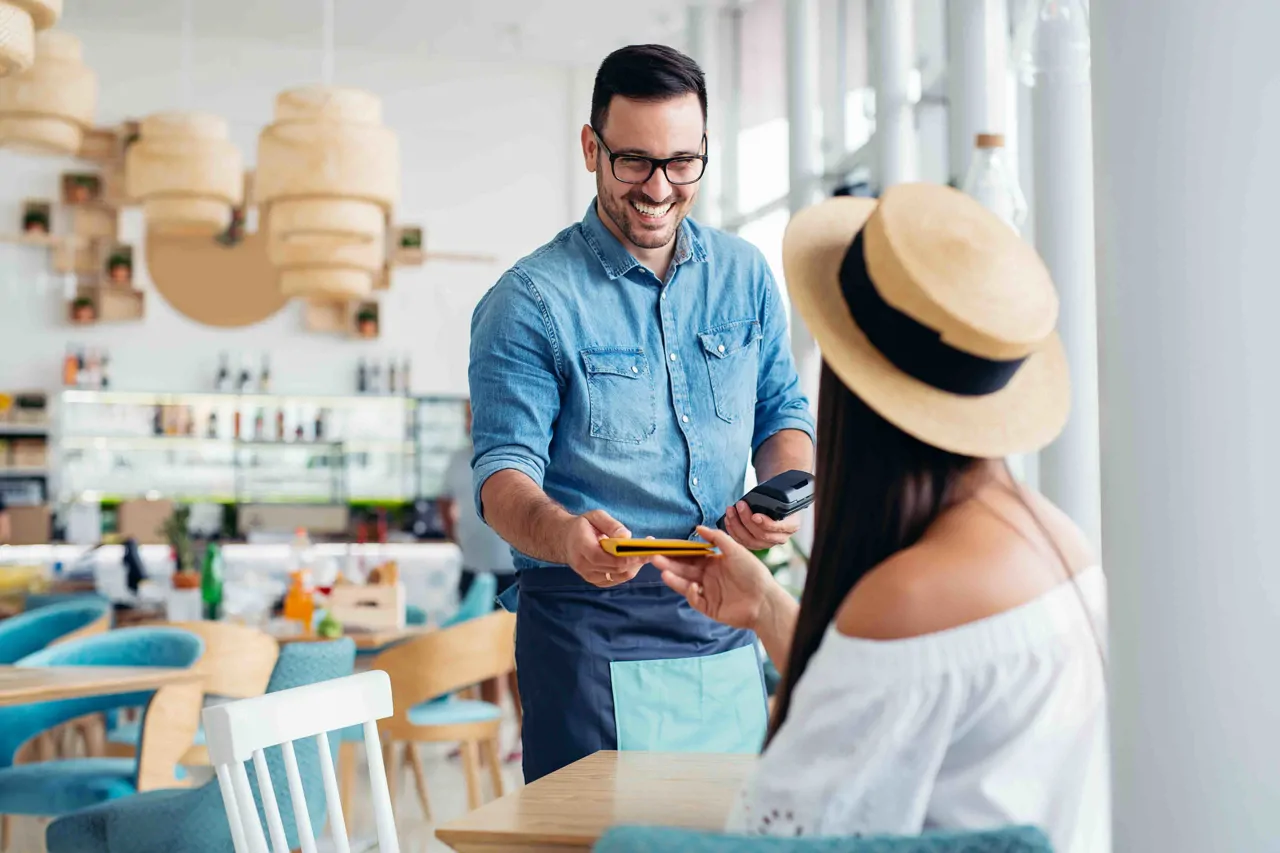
point(645, 72)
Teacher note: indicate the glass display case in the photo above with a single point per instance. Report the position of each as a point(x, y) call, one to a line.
point(254, 448)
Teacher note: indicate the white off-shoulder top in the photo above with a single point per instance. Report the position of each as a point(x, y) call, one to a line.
point(1000, 721)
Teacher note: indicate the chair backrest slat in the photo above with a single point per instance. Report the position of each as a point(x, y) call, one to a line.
point(301, 818)
point(337, 822)
point(248, 811)
point(384, 817)
point(237, 731)
point(233, 813)
point(275, 826)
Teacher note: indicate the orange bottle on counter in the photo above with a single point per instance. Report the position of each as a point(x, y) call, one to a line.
point(298, 602)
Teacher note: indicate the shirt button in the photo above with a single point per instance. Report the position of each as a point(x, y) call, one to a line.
point(664, 294)
point(684, 418)
point(720, 348)
point(695, 481)
point(673, 356)
point(635, 369)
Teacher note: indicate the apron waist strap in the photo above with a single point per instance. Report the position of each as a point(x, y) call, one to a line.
point(563, 577)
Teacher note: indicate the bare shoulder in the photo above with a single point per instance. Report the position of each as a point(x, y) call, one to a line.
point(976, 562)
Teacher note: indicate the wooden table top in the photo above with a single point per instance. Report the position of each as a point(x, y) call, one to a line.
point(571, 808)
point(20, 685)
point(365, 640)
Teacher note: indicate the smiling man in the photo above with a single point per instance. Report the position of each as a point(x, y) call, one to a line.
point(622, 377)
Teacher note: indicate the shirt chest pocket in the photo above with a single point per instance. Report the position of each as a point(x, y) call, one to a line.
point(620, 388)
point(732, 352)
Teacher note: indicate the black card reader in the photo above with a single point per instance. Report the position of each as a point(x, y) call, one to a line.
point(780, 496)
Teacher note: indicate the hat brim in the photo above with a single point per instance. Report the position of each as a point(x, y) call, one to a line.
point(1023, 417)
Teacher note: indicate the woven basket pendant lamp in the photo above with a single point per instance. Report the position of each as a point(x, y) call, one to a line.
point(46, 109)
point(19, 21)
point(186, 173)
point(328, 175)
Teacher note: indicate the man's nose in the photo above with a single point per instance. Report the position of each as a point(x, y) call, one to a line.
point(658, 187)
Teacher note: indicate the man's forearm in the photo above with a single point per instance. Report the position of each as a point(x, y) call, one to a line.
point(786, 450)
point(776, 626)
point(524, 516)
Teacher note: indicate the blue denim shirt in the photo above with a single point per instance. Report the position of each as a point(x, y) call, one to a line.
point(613, 390)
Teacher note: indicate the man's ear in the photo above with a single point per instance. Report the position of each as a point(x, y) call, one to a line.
point(590, 148)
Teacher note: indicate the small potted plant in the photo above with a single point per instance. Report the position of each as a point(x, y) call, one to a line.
point(175, 529)
point(35, 218)
point(83, 310)
point(367, 321)
point(81, 188)
point(120, 266)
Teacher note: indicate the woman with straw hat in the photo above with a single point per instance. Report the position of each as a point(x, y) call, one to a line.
point(943, 668)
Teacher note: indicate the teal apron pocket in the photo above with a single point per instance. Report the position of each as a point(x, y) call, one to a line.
point(714, 703)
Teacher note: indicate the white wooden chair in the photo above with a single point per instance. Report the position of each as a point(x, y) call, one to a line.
point(238, 731)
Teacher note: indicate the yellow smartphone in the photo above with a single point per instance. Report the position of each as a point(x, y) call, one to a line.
point(655, 547)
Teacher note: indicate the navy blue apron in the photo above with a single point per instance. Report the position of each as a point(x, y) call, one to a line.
point(631, 667)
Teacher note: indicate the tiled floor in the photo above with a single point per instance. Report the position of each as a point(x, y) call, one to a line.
point(446, 789)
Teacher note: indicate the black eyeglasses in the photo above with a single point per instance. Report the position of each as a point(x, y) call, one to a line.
point(638, 169)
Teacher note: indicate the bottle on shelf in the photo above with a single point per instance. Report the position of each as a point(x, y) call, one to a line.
point(264, 378)
point(404, 377)
point(223, 381)
point(375, 379)
point(299, 604)
point(157, 420)
point(280, 424)
point(362, 378)
point(235, 421)
point(246, 376)
point(320, 419)
point(82, 373)
point(992, 181)
point(211, 430)
point(393, 386)
point(70, 368)
point(259, 425)
point(211, 582)
point(104, 375)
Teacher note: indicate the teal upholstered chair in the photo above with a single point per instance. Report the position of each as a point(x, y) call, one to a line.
point(51, 788)
point(477, 602)
point(192, 820)
point(643, 839)
point(414, 616)
point(31, 631)
point(37, 600)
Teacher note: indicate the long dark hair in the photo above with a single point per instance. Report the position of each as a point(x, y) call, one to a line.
point(879, 489)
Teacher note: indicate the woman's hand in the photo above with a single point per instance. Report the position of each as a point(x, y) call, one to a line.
point(733, 588)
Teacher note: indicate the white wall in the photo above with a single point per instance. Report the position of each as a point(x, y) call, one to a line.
point(490, 164)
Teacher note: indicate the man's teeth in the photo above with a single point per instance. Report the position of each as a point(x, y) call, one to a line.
point(650, 209)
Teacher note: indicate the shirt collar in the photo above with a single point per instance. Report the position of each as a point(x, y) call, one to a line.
point(615, 258)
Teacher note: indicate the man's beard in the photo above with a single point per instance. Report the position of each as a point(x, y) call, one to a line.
point(619, 210)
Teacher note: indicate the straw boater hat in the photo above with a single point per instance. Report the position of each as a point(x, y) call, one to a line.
point(935, 313)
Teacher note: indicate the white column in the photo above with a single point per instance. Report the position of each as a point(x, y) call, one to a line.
point(1062, 154)
point(1186, 181)
point(895, 51)
point(702, 34)
point(730, 130)
point(802, 94)
point(833, 80)
point(977, 75)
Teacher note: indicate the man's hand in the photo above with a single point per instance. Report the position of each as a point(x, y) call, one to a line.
point(758, 532)
point(583, 554)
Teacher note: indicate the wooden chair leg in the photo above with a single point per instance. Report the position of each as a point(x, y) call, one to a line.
point(347, 779)
point(470, 766)
point(4, 833)
point(514, 684)
point(490, 748)
point(389, 761)
point(419, 777)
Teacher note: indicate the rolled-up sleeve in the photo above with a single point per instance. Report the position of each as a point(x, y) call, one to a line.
point(780, 402)
point(515, 382)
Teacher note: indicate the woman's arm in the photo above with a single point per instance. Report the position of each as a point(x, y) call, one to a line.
point(736, 589)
